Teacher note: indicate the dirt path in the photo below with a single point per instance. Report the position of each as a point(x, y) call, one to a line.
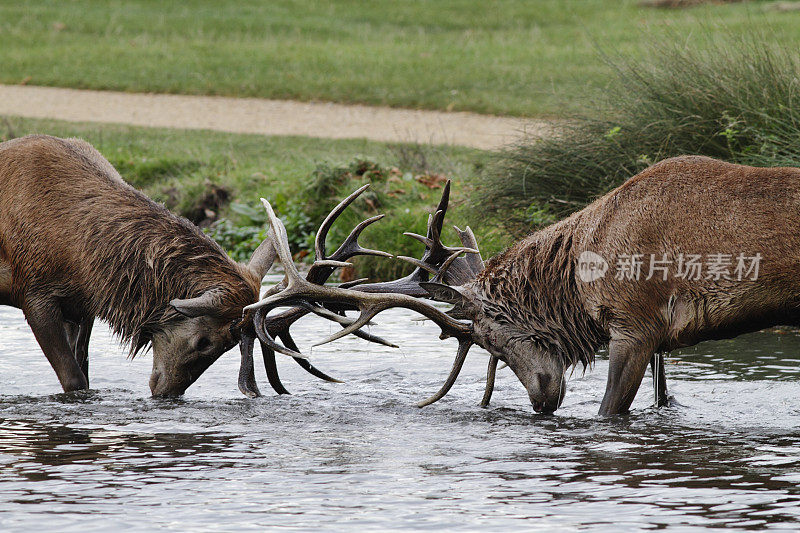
point(266, 117)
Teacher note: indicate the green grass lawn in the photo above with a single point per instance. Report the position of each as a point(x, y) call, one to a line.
point(518, 57)
point(186, 170)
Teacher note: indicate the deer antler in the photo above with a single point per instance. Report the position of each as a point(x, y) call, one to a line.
point(273, 326)
point(447, 266)
point(299, 291)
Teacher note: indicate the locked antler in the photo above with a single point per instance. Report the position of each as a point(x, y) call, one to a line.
point(296, 291)
point(448, 265)
point(277, 326)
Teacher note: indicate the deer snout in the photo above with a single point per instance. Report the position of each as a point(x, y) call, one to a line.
point(546, 393)
point(163, 387)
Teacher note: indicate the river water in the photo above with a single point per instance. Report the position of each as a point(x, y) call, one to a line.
point(361, 455)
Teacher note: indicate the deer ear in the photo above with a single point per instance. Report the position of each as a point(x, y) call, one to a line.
point(451, 295)
point(442, 293)
point(207, 304)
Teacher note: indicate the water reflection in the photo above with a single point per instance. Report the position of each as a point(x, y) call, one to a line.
point(360, 454)
point(773, 355)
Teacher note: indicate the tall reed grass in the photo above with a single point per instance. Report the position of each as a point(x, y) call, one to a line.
point(735, 98)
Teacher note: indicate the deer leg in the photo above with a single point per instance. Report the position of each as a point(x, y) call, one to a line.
point(659, 380)
point(71, 331)
point(81, 349)
point(50, 329)
point(627, 364)
point(78, 339)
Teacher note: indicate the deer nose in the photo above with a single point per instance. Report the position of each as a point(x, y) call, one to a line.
point(154, 377)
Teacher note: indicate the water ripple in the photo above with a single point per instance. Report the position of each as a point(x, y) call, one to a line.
point(360, 454)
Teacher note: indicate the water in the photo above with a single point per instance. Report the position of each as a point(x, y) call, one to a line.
point(360, 455)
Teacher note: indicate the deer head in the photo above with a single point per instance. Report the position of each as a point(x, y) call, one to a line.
point(195, 332)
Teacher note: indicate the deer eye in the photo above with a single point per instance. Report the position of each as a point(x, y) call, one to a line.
point(202, 344)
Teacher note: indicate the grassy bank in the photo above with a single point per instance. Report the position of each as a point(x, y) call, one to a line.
point(737, 102)
point(209, 176)
point(512, 57)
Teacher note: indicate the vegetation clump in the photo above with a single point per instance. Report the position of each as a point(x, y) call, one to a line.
point(404, 195)
point(736, 99)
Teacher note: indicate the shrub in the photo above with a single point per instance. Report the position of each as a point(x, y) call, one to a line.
point(735, 99)
point(240, 240)
point(405, 197)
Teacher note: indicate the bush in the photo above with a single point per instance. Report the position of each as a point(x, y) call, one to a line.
point(240, 240)
point(736, 99)
point(405, 197)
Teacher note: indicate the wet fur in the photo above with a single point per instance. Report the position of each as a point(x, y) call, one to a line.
point(532, 288)
point(71, 228)
point(690, 204)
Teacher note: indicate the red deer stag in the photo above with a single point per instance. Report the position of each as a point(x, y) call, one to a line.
point(77, 242)
point(690, 249)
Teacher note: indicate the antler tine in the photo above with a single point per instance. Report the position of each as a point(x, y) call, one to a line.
point(345, 322)
point(327, 313)
point(363, 319)
point(419, 264)
point(288, 341)
point(424, 240)
point(292, 279)
point(322, 232)
point(351, 284)
point(281, 242)
point(350, 246)
point(444, 201)
point(439, 277)
point(463, 348)
point(435, 223)
point(490, 375)
point(323, 267)
point(247, 378)
point(271, 366)
point(266, 338)
point(468, 239)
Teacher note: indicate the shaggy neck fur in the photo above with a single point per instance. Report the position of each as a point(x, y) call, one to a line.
point(531, 287)
point(163, 257)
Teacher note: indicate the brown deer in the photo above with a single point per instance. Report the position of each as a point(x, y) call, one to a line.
point(77, 242)
point(550, 301)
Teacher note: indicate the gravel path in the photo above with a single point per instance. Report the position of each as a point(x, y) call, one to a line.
point(267, 117)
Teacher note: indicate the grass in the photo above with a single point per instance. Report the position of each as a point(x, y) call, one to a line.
point(736, 99)
point(201, 174)
point(511, 57)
